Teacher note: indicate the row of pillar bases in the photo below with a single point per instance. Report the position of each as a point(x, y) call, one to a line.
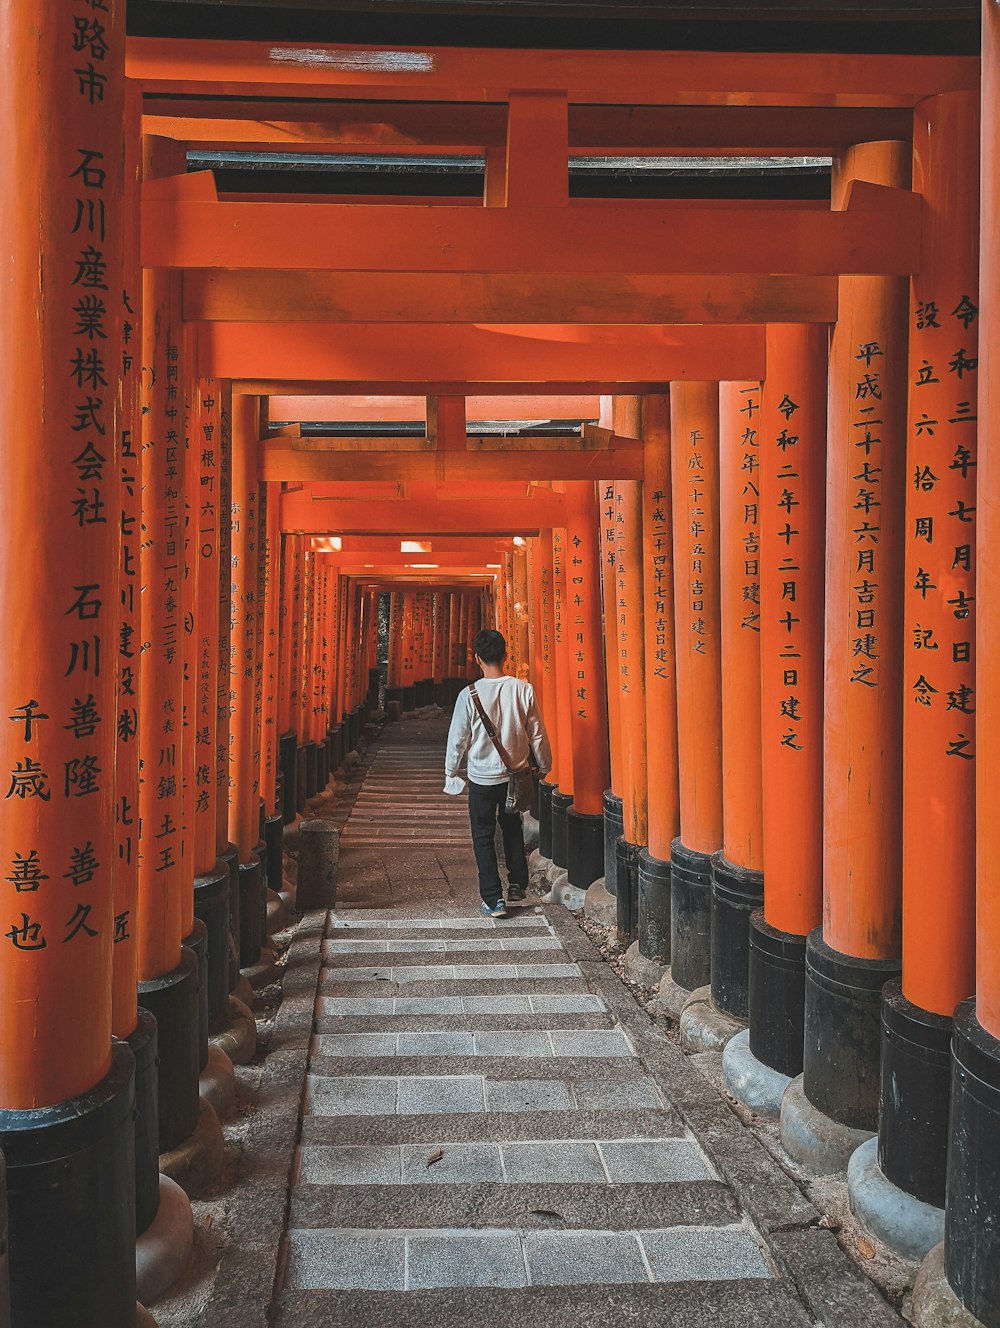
point(823, 1034)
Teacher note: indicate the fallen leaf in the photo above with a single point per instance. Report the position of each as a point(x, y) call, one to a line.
point(866, 1249)
point(435, 1157)
point(828, 1223)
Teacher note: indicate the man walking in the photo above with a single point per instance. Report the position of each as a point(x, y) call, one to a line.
point(512, 709)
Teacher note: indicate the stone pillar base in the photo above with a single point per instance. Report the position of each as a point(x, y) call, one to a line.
point(217, 1083)
point(933, 1304)
point(164, 1249)
point(638, 969)
point(907, 1225)
point(703, 1027)
point(818, 1144)
point(239, 1040)
point(750, 1081)
point(600, 905)
point(143, 1318)
point(671, 996)
point(196, 1163)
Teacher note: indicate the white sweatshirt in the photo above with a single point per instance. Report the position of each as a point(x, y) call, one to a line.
point(511, 705)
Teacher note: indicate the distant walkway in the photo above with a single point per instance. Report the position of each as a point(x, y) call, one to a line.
point(494, 1132)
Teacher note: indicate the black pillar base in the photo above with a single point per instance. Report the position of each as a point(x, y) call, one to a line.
point(913, 1117)
point(409, 699)
point(197, 943)
point(545, 819)
point(777, 996)
point(211, 906)
point(143, 1043)
point(4, 1246)
point(300, 779)
point(287, 762)
point(627, 870)
point(336, 739)
point(654, 908)
point(355, 724)
point(561, 803)
point(840, 1067)
point(172, 1000)
point(231, 860)
point(736, 893)
point(972, 1213)
point(322, 766)
point(311, 759)
point(442, 697)
point(614, 827)
point(690, 916)
point(393, 694)
point(274, 849)
point(251, 911)
point(584, 848)
point(71, 1200)
point(261, 814)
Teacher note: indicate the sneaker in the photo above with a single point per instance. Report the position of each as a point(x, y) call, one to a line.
point(497, 910)
point(516, 893)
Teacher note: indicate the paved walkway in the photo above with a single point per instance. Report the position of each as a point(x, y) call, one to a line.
point(494, 1131)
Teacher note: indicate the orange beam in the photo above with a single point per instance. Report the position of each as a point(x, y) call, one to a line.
point(300, 512)
point(310, 410)
point(262, 69)
point(268, 296)
point(878, 232)
point(539, 352)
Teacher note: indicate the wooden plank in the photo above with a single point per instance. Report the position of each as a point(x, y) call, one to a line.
point(212, 295)
point(405, 408)
point(342, 516)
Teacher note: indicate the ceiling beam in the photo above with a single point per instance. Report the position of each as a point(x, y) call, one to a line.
point(467, 74)
point(879, 232)
point(315, 410)
point(598, 359)
point(301, 512)
point(212, 295)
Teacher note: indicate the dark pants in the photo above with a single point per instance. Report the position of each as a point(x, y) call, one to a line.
point(486, 808)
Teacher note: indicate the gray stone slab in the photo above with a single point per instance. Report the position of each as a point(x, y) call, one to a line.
point(465, 1259)
point(532, 943)
point(598, 1042)
point(350, 1096)
point(354, 1005)
point(345, 1260)
point(548, 971)
point(355, 1044)
point(354, 947)
point(484, 972)
point(560, 1258)
point(460, 1163)
point(566, 1004)
point(513, 1044)
point(604, 1095)
point(496, 1005)
point(459, 1023)
point(349, 1165)
point(630, 1160)
point(436, 1044)
point(494, 1126)
point(686, 1254)
point(427, 1005)
point(552, 1160)
point(440, 1095)
point(527, 1095)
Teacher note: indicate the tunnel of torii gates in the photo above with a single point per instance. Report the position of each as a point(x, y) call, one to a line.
point(753, 586)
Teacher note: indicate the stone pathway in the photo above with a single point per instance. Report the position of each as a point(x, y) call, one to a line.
point(492, 1128)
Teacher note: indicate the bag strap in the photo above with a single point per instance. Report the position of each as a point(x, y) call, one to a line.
point(490, 728)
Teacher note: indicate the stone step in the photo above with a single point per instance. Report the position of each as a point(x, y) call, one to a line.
point(408, 968)
point(466, 947)
point(529, 1204)
point(533, 1044)
point(518, 1162)
point(725, 1303)
point(612, 1068)
point(443, 928)
point(440, 1111)
point(406, 1260)
point(334, 983)
point(527, 1003)
point(462, 1023)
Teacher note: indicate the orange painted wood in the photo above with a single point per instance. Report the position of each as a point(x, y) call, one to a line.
point(864, 622)
point(739, 577)
point(433, 351)
point(563, 682)
point(186, 421)
point(296, 634)
point(584, 654)
point(250, 69)
point(608, 594)
point(304, 723)
point(223, 682)
point(282, 463)
point(249, 296)
point(880, 232)
point(205, 519)
point(537, 150)
point(475, 517)
point(244, 753)
point(694, 432)
point(792, 570)
point(59, 566)
point(663, 796)
point(285, 663)
point(939, 664)
point(547, 651)
point(271, 643)
point(312, 409)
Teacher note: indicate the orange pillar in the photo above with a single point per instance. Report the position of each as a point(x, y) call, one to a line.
point(291, 629)
point(244, 754)
point(663, 795)
point(562, 794)
point(628, 676)
point(939, 669)
point(271, 649)
point(521, 633)
point(225, 849)
point(394, 684)
point(549, 696)
point(409, 653)
point(972, 1219)
point(862, 841)
point(588, 687)
point(614, 824)
point(737, 868)
point(792, 570)
point(694, 430)
point(440, 645)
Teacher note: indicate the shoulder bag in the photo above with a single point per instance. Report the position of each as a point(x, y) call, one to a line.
point(522, 783)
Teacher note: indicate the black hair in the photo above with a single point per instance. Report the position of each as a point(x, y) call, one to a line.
point(490, 646)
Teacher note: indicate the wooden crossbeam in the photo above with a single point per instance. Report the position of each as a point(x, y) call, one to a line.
point(427, 353)
point(213, 295)
point(261, 69)
point(302, 513)
point(879, 232)
point(321, 409)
